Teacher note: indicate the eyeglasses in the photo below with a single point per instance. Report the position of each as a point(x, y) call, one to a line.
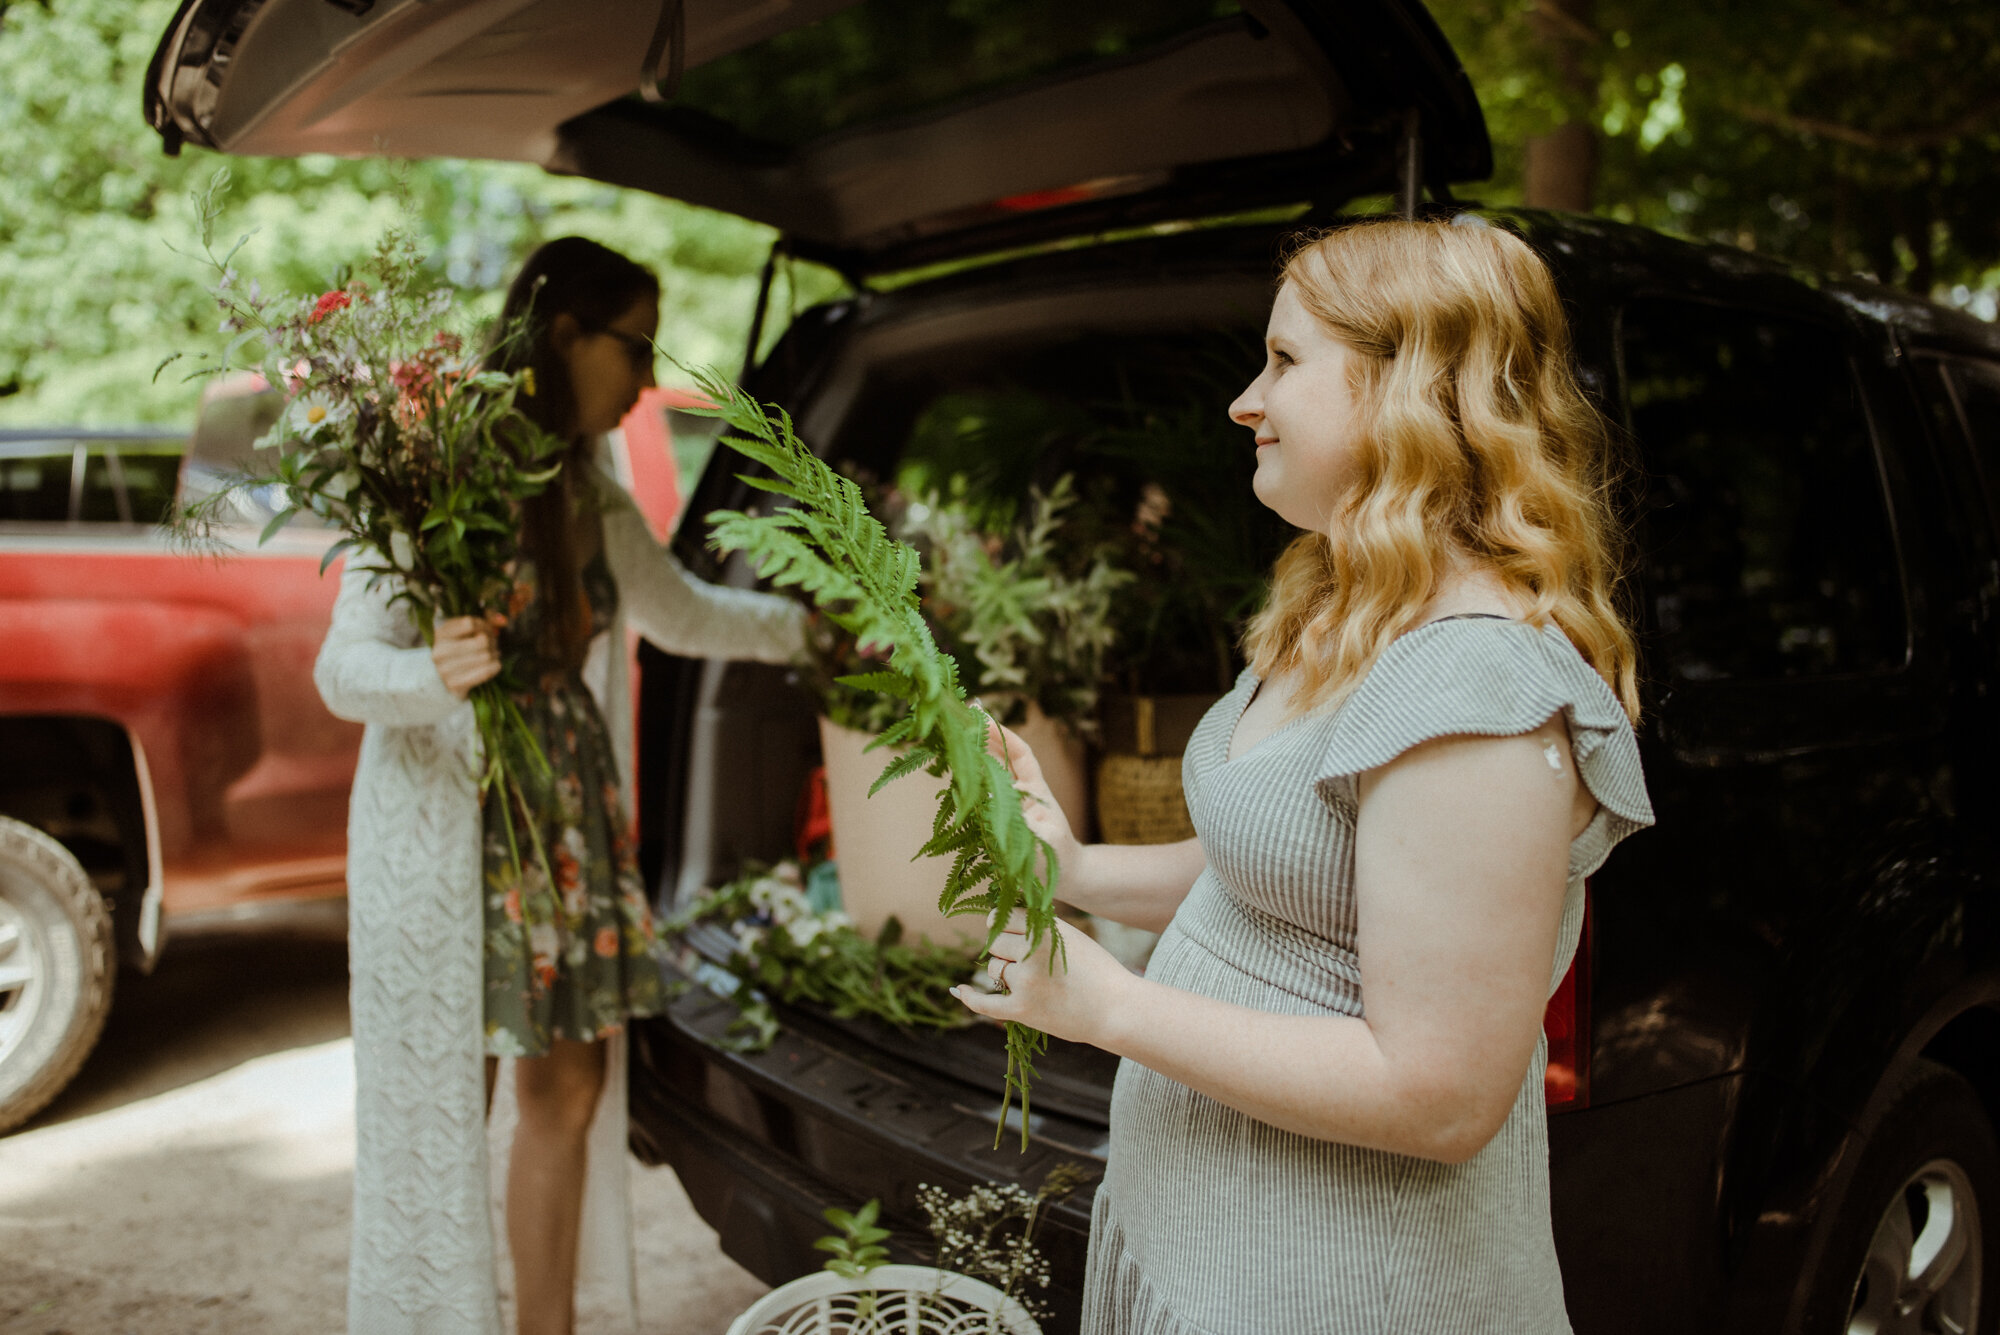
point(639, 349)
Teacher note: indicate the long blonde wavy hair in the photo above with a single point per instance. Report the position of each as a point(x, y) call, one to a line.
point(1476, 445)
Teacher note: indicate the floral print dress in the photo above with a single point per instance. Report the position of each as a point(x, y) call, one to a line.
point(570, 944)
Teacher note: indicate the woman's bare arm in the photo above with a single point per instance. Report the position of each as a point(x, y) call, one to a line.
point(1139, 885)
point(1461, 867)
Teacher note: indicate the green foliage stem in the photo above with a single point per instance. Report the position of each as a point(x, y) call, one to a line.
point(826, 544)
point(857, 1248)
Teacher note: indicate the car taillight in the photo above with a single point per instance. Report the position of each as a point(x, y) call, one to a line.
point(1566, 1084)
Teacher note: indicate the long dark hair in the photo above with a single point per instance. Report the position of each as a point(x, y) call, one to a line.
point(593, 285)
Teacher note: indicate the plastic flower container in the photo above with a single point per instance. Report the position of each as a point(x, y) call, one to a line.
point(888, 1300)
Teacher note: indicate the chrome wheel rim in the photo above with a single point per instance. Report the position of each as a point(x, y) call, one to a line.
point(1921, 1275)
point(24, 971)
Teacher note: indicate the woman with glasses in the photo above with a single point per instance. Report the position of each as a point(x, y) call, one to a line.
point(466, 945)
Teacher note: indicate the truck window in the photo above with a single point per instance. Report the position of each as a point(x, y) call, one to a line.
point(1765, 543)
point(34, 487)
point(129, 483)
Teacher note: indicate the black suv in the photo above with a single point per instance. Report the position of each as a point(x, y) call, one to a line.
point(1784, 1026)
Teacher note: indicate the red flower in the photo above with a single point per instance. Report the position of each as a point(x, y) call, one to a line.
point(451, 343)
point(328, 304)
point(607, 942)
point(411, 377)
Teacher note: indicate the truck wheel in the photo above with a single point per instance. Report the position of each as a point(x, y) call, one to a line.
point(1917, 1246)
point(56, 969)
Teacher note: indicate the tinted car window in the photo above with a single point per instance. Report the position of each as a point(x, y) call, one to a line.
point(35, 487)
point(1766, 544)
point(886, 58)
point(128, 484)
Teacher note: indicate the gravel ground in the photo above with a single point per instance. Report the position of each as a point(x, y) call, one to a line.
point(196, 1176)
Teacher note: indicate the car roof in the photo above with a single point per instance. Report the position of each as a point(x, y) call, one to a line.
point(1590, 256)
point(876, 134)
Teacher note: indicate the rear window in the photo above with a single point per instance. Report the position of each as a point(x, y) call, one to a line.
point(1766, 543)
point(92, 482)
point(887, 58)
point(129, 484)
point(35, 487)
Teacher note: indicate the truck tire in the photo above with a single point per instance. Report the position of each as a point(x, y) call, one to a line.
point(57, 966)
point(1916, 1247)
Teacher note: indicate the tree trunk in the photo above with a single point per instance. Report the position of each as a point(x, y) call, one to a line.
point(1561, 168)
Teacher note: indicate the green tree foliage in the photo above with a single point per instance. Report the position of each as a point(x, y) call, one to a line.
point(1849, 135)
point(93, 295)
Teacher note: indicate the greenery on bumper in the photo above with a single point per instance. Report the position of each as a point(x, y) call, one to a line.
point(787, 950)
point(826, 544)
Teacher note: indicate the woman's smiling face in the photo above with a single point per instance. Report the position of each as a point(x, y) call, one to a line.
point(1303, 411)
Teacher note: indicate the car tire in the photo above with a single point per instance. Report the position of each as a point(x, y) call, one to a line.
point(57, 967)
point(1916, 1247)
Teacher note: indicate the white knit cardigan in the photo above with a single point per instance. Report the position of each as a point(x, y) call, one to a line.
point(422, 1258)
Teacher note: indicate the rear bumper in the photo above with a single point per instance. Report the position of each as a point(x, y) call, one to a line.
point(763, 1142)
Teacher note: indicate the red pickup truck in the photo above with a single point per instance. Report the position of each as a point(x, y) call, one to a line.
point(163, 753)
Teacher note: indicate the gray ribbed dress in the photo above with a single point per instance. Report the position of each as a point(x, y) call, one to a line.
point(1211, 1222)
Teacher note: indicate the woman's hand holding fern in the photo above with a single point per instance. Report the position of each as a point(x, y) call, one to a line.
point(1043, 816)
point(1089, 1001)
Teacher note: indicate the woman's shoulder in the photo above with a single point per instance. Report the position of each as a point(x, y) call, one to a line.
point(1484, 672)
point(1485, 676)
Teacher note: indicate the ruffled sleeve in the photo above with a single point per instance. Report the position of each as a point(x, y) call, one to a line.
point(1491, 679)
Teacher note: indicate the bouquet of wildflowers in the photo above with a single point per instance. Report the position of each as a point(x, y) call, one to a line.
point(396, 437)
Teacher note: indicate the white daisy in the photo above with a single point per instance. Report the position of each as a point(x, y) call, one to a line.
point(315, 411)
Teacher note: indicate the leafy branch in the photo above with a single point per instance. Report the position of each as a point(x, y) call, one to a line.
point(788, 950)
point(826, 544)
point(857, 1248)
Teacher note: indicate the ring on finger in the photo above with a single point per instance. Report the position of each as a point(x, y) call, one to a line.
point(1000, 975)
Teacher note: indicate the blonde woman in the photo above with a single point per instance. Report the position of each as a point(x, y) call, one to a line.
point(1330, 1113)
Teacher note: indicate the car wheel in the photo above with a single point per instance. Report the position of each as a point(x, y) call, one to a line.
point(56, 969)
point(1914, 1249)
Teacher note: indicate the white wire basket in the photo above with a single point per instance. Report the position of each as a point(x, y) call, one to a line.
point(889, 1300)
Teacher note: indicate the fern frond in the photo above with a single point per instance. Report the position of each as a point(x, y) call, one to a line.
point(828, 546)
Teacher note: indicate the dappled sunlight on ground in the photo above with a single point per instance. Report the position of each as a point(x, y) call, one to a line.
point(198, 1181)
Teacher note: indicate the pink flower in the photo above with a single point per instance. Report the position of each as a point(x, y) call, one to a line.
point(328, 304)
point(411, 377)
point(606, 944)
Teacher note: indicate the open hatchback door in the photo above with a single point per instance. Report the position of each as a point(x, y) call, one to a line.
point(878, 134)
